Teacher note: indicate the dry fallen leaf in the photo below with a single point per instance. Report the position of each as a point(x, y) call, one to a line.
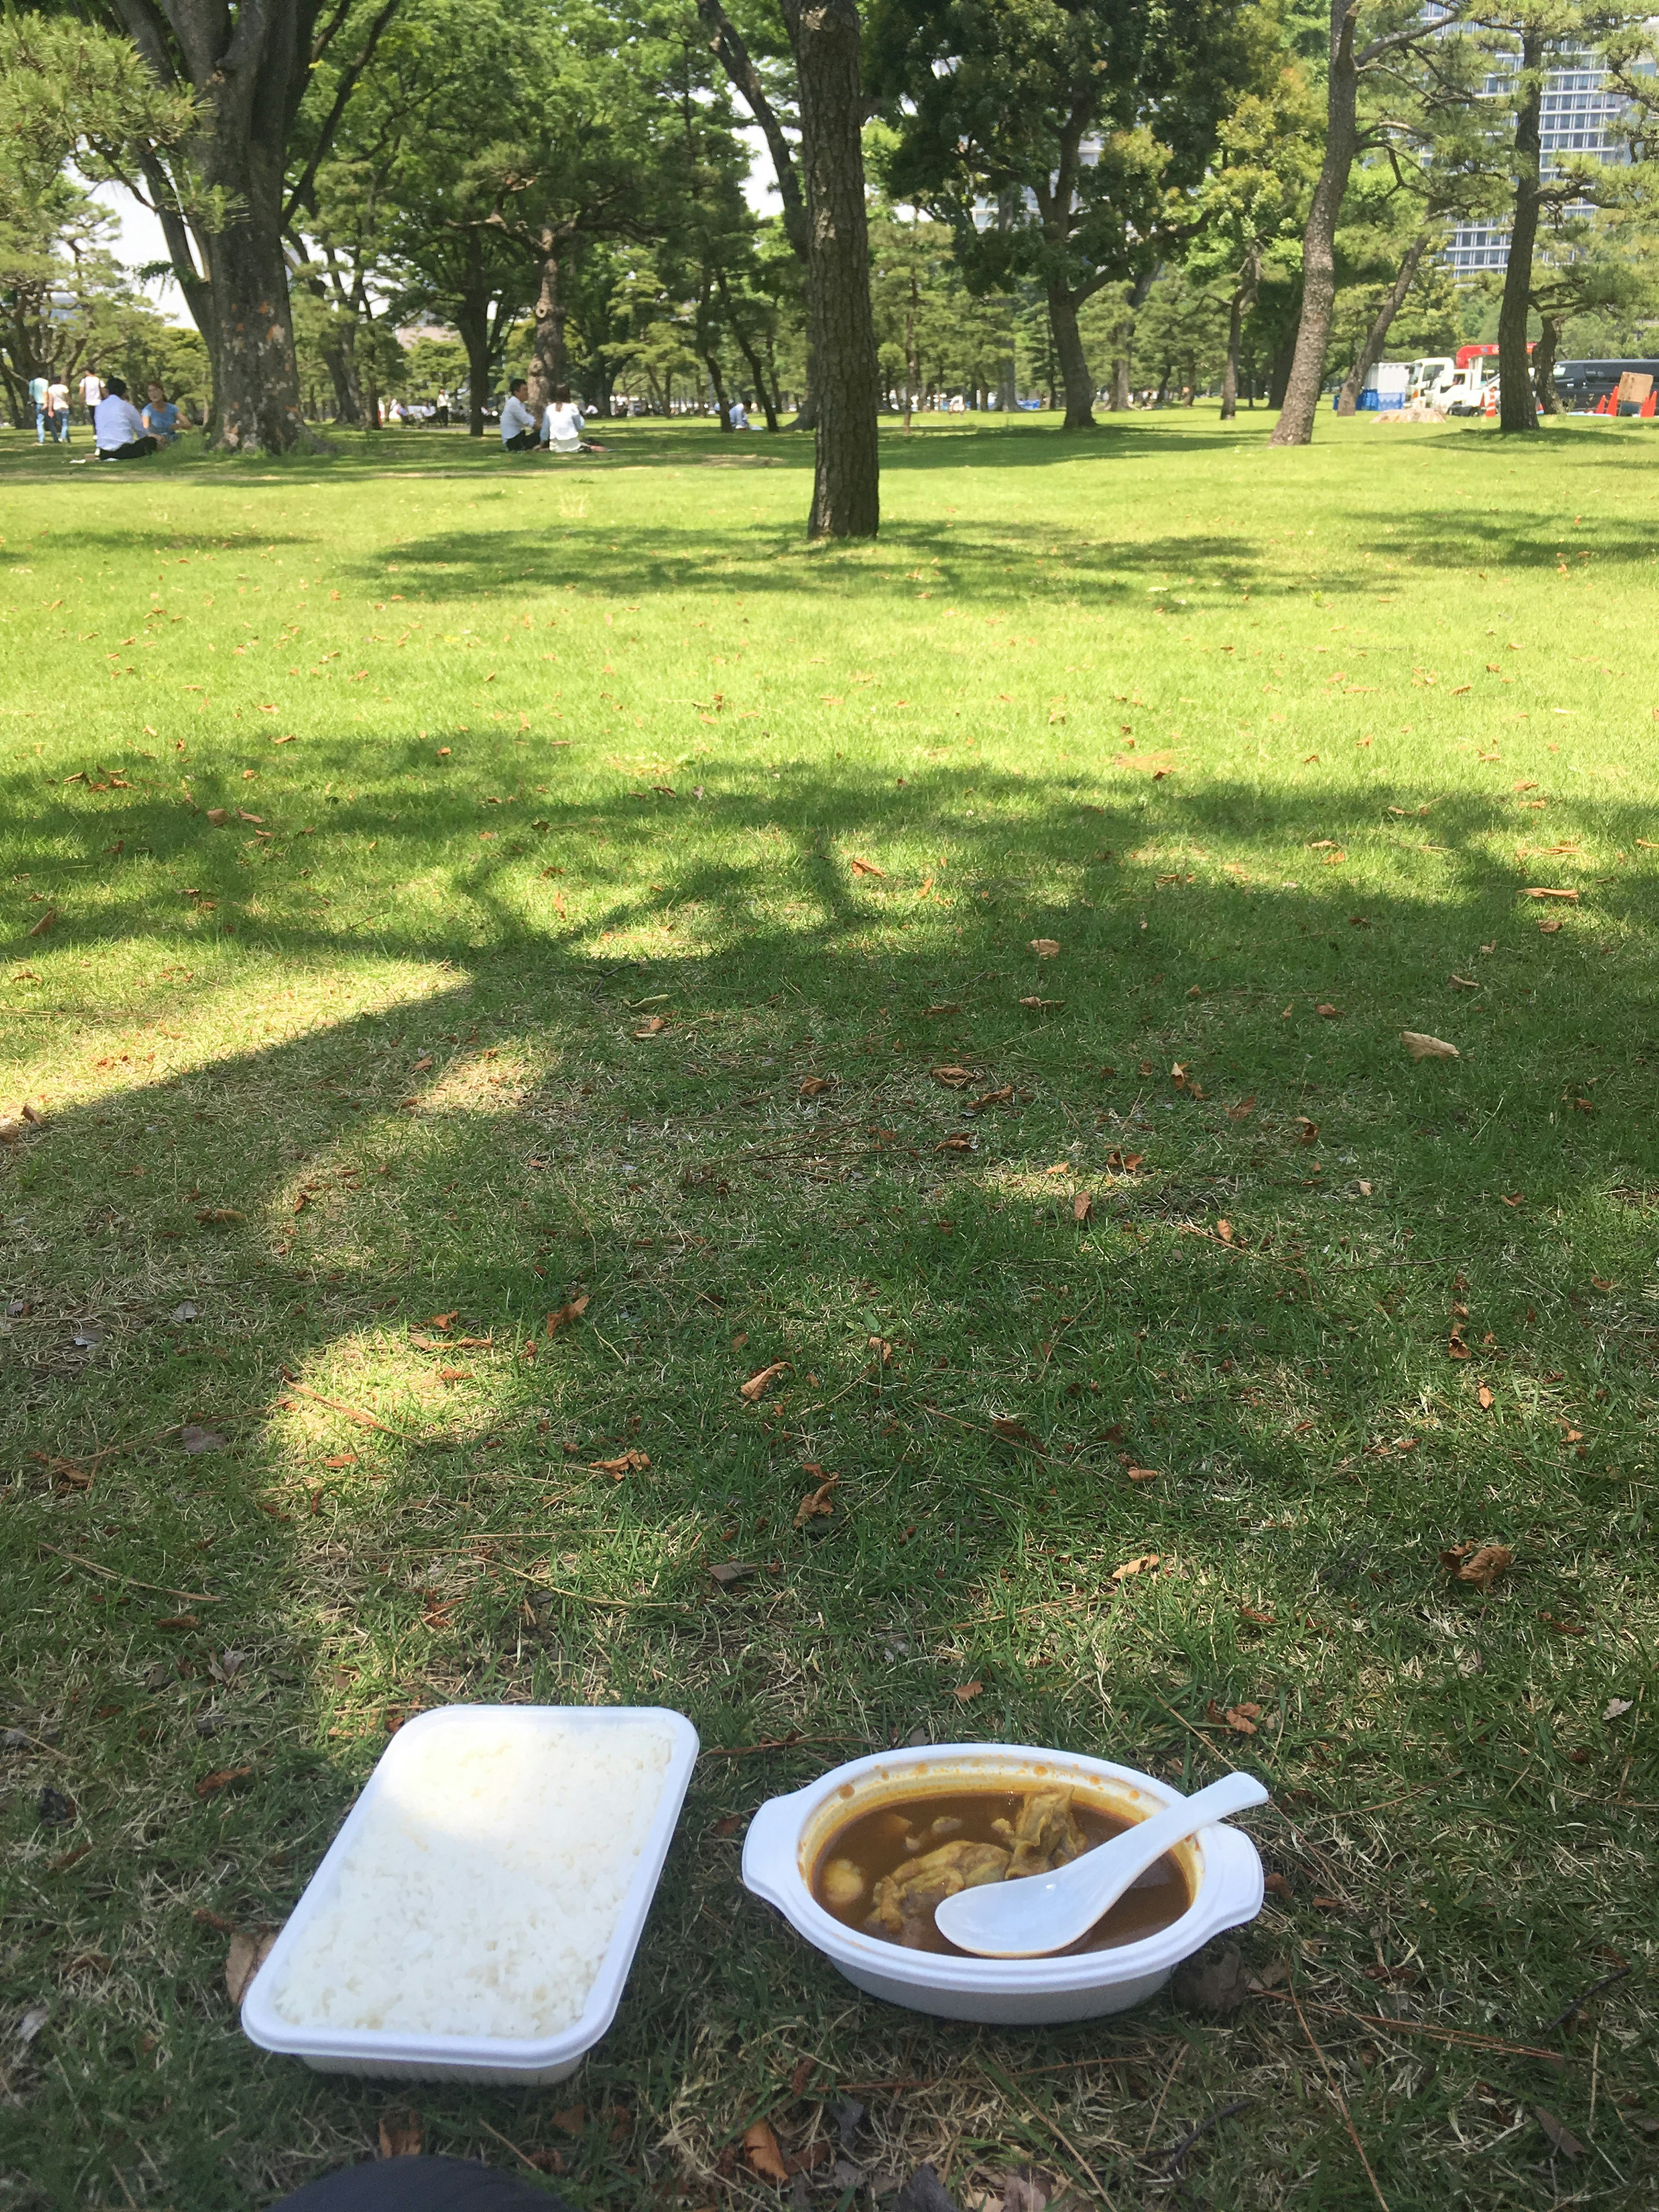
point(958, 1142)
point(211, 1785)
point(400, 2132)
point(1329, 1012)
point(1485, 1394)
point(1244, 1108)
point(1614, 1707)
point(631, 1462)
point(652, 1026)
point(868, 868)
point(755, 1386)
point(1549, 924)
point(45, 922)
point(953, 1079)
point(990, 1098)
point(1560, 2138)
point(567, 1314)
point(814, 1086)
point(1242, 1719)
point(1046, 948)
point(759, 2145)
point(1141, 1565)
point(818, 1502)
point(246, 1954)
point(1043, 1006)
point(1540, 891)
point(727, 1572)
point(1306, 1131)
point(1013, 1432)
point(1428, 1048)
point(967, 1691)
point(1142, 1474)
point(1082, 1206)
point(1479, 1564)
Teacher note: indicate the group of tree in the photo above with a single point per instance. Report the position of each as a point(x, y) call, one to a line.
point(1093, 195)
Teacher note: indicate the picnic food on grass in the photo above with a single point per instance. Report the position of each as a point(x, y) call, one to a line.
point(885, 1872)
point(480, 1897)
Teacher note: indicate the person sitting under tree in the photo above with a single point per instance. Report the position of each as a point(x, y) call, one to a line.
point(118, 427)
point(161, 417)
point(518, 423)
point(562, 424)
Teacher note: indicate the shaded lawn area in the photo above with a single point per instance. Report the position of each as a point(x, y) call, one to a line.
point(437, 889)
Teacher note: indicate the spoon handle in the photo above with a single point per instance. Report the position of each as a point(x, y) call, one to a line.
point(1144, 1845)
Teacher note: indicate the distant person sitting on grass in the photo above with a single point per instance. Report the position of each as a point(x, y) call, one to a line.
point(161, 417)
point(738, 416)
point(118, 427)
point(518, 423)
point(563, 425)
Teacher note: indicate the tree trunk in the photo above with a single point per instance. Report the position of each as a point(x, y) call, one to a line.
point(1073, 362)
point(1239, 306)
point(256, 377)
point(1306, 376)
point(1377, 336)
point(339, 351)
point(746, 348)
point(1279, 370)
point(1516, 410)
point(547, 353)
point(1543, 366)
point(717, 385)
point(847, 487)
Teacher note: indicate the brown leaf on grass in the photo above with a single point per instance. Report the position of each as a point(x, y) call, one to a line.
point(246, 1954)
point(631, 1462)
point(757, 1384)
point(931, 1013)
point(1224, 1229)
point(818, 1503)
point(1485, 1394)
point(759, 2145)
point(953, 1079)
point(1328, 1012)
point(1540, 891)
point(1562, 1627)
point(967, 1691)
point(178, 1620)
point(999, 1098)
point(1306, 1131)
point(212, 1214)
point(1046, 948)
point(1264, 1619)
point(1142, 1474)
point(1147, 1561)
point(400, 2132)
point(222, 1779)
point(652, 1026)
point(1559, 2138)
point(1242, 1719)
point(571, 1312)
point(1455, 1347)
point(1082, 1206)
point(1013, 1432)
point(727, 1572)
point(1549, 924)
point(814, 1086)
point(1215, 1990)
point(1124, 1162)
point(957, 1143)
point(1276, 1884)
point(570, 2119)
point(1421, 1047)
point(45, 922)
point(869, 868)
point(1479, 1564)
point(1043, 1006)
point(1242, 1111)
point(443, 1319)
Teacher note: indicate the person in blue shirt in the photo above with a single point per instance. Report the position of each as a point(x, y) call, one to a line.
point(161, 417)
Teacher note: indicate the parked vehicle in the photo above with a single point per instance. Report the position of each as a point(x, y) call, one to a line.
point(1426, 372)
point(1582, 383)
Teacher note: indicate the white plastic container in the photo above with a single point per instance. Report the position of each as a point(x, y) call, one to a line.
point(409, 2057)
point(786, 1836)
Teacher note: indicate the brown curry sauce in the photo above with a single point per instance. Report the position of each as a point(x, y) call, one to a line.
point(908, 1855)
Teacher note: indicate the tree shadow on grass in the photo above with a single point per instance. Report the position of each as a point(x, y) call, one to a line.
point(1254, 1306)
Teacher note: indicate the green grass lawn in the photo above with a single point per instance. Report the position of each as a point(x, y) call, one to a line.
point(438, 889)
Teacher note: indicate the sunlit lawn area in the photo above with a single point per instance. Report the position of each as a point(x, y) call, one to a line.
point(439, 889)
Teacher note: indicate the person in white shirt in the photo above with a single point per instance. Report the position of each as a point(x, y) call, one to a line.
point(120, 427)
point(92, 391)
point(738, 416)
point(57, 408)
point(563, 425)
point(518, 423)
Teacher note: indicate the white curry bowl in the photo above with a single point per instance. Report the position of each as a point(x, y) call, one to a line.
point(788, 1836)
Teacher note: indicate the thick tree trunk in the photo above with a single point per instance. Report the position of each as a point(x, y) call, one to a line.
point(1279, 370)
point(1377, 336)
point(256, 377)
point(547, 353)
point(745, 347)
point(1517, 408)
point(1543, 366)
point(717, 385)
point(1073, 362)
point(846, 487)
point(1239, 306)
point(1307, 377)
point(340, 358)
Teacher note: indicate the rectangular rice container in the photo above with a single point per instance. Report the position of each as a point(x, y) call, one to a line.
point(408, 2056)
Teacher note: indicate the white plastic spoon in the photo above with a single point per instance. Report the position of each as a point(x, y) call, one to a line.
point(1038, 1914)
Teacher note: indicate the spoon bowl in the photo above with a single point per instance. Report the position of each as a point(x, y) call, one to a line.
point(1038, 1914)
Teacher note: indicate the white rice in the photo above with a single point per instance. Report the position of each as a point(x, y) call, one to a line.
point(480, 1895)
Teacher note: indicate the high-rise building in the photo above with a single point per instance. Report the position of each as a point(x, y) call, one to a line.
point(1581, 111)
